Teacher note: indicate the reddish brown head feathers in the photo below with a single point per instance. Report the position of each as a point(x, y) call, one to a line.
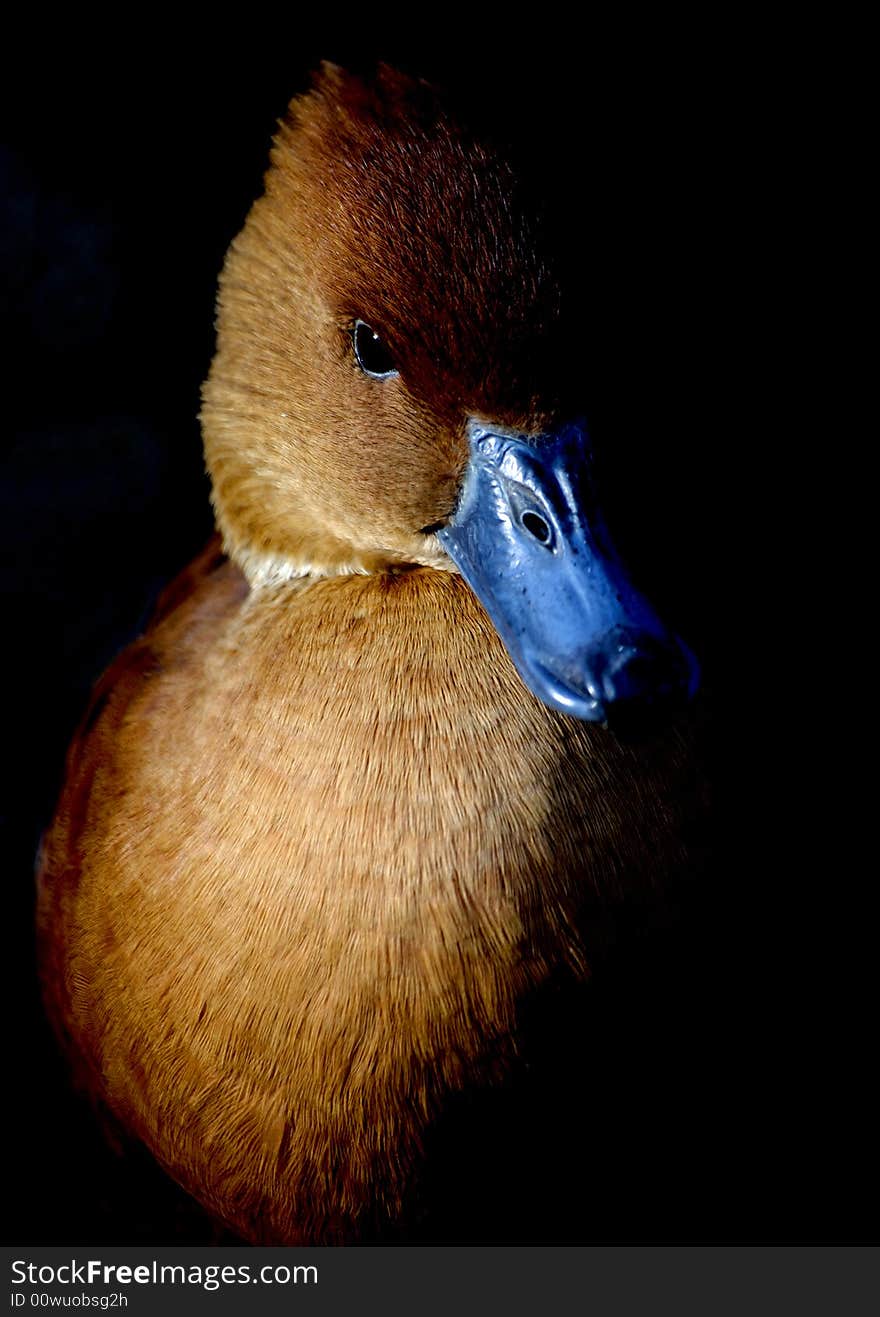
point(378, 207)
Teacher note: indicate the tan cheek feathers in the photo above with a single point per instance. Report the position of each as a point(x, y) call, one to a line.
point(316, 469)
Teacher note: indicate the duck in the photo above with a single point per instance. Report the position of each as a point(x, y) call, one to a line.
point(357, 793)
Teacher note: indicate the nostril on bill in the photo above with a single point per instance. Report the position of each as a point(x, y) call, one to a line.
point(536, 526)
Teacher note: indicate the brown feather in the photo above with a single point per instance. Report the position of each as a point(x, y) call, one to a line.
point(317, 843)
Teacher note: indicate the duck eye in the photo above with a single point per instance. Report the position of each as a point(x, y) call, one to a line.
point(371, 353)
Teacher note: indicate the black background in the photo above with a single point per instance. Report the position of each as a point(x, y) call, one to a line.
point(720, 1065)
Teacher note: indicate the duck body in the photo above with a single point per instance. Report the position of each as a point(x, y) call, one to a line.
point(318, 846)
point(307, 910)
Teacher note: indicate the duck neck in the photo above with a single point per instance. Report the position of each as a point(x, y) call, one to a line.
point(317, 553)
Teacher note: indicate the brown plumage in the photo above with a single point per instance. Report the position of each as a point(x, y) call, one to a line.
point(317, 842)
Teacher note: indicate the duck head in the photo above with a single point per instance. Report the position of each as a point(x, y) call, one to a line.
point(397, 383)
